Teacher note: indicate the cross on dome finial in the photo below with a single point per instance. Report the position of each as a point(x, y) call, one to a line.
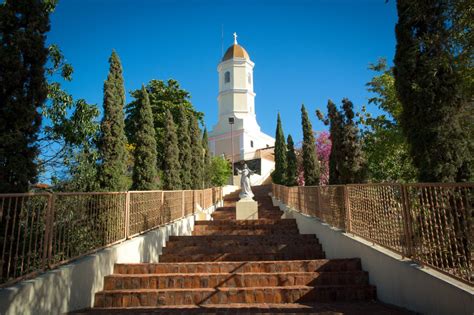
point(235, 38)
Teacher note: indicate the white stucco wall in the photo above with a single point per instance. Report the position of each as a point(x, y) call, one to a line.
point(73, 286)
point(399, 281)
point(266, 169)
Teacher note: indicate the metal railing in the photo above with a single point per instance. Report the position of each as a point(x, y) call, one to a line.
point(428, 223)
point(39, 231)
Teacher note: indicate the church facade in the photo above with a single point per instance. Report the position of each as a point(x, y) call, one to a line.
point(237, 132)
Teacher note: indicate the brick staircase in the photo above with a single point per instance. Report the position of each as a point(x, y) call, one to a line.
point(229, 266)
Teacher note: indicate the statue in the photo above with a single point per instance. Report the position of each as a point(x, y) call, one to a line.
point(245, 173)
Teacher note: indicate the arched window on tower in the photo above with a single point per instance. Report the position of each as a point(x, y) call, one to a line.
point(249, 78)
point(227, 77)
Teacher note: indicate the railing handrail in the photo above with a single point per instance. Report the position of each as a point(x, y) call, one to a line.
point(42, 230)
point(65, 193)
point(427, 222)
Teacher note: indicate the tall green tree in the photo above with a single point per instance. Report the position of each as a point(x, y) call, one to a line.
point(23, 89)
point(292, 166)
point(353, 164)
point(335, 121)
point(185, 153)
point(347, 162)
point(171, 165)
point(310, 162)
point(384, 144)
point(207, 160)
point(197, 153)
point(278, 175)
point(144, 169)
point(434, 86)
point(164, 95)
point(112, 141)
point(335, 158)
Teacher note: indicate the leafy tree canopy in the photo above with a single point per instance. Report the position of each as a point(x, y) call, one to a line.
point(163, 96)
point(221, 170)
point(385, 146)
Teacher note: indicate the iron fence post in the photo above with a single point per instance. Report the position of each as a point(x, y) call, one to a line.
point(127, 215)
point(48, 234)
point(406, 222)
point(299, 198)
point(318, 195)
point(348, 209)
point(194, 201)
point(183, 205)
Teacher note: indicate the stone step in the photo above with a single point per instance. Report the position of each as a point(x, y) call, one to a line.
point(213, 280)
point(278, 222)
point(219, 243)
point(246, 227)
point(231, 216)
point(222, 256)
point(272, 214)
point(335, 308)
point(250, 248)
point(260, 231)
point(245, 238)
point(287, 294)
point(225, 228)
point(318, 265)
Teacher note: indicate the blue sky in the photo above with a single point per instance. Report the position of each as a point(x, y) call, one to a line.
point(304, 51)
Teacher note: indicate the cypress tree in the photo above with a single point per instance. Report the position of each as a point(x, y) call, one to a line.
point(430, 85)
point(23, 90)
point(292, 167)
point(207, 160)
point(171, 166)
point(310, 162)
point(185, 154)
point(197, 154)
point(144, 169)
point(163, 95)
point(278, 175)
point(112, 142)
point(347, 163)
point(335, 129)
point(351, 158)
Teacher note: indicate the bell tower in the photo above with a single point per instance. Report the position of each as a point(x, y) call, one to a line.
point(236, 95)
point(237, 132)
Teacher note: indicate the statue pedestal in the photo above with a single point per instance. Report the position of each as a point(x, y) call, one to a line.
point(246, 209)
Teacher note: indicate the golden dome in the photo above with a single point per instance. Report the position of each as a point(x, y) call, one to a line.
point(235, 51)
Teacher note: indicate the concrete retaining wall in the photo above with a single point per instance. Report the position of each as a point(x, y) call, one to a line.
point(399, 281)
point(72, 286)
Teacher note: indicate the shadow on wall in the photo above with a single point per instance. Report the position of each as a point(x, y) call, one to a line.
point(151, 247)
point(73, 286)
point(52, 292)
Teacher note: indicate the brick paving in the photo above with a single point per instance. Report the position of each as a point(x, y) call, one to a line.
point(238, 267)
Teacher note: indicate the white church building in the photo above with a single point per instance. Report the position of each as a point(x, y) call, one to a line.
point(237, 134)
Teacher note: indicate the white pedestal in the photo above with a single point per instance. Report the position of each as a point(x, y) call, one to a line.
point(246, 209)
